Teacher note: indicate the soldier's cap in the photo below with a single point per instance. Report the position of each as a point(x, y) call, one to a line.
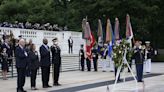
point(147, 42)
point(55, 39)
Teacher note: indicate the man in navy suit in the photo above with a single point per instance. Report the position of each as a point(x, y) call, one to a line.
point(70, 45)
point(45, 63)
point(21, 63)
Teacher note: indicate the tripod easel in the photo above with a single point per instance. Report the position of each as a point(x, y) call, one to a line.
point(125, 62)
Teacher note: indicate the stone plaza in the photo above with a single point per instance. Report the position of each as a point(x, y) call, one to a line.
point(78, 81)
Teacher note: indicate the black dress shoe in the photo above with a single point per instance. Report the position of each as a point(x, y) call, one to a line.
point(19, 90)
point(140, 81)
point(119, 80)
point(111, 71)
point(45, 87)
point(49, 86)
point(57, 84)
point(24, 91)
point(34, 88)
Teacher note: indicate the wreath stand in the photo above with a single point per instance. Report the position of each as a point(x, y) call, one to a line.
point(118, 72)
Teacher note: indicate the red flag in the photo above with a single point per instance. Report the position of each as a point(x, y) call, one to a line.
point(89, 42)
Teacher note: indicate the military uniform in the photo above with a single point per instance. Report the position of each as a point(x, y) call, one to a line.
point(104, 53)
point(88, 61)
point(148, 55)
point(56, 60)
point(82, 59)
point(138, 56)
point(111, 63)
point(95, 58)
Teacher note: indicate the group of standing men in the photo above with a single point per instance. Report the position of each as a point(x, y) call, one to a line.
point(95, 55)
point(24, 56)
point(142, 57)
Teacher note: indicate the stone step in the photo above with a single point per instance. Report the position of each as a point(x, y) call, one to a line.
point(69, 63)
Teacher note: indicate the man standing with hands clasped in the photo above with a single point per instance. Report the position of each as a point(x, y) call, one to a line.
point(45, 63)
point(70, 45)
point(21, 63)
point(56, 60)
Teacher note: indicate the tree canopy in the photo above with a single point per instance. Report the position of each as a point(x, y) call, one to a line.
point(146, 15)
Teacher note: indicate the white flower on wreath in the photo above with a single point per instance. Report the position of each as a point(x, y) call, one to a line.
point(114, 47)
point(114, 54)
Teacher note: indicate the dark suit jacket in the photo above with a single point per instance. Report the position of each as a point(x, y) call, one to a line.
point(69, 42)
point(56, 57)
point(21, 58)
point(138, 56)
point(44, 56)
point(34, 60)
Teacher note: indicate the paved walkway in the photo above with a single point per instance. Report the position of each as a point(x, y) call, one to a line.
point(93, 82)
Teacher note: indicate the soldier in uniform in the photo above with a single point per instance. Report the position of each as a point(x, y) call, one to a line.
point(88, 61)
point(82, 58)
point(138, 56)
point(148, 54)
point(56, 60)
point(104, 53)
point(95, 57)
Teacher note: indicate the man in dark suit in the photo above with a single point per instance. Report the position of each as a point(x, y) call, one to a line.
point(56, 60)
point(21, 63)
point(138, 56)
point(70, 45)
point(45, 63)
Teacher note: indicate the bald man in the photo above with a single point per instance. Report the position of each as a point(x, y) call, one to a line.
point(21, 63)
point(45, 63)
